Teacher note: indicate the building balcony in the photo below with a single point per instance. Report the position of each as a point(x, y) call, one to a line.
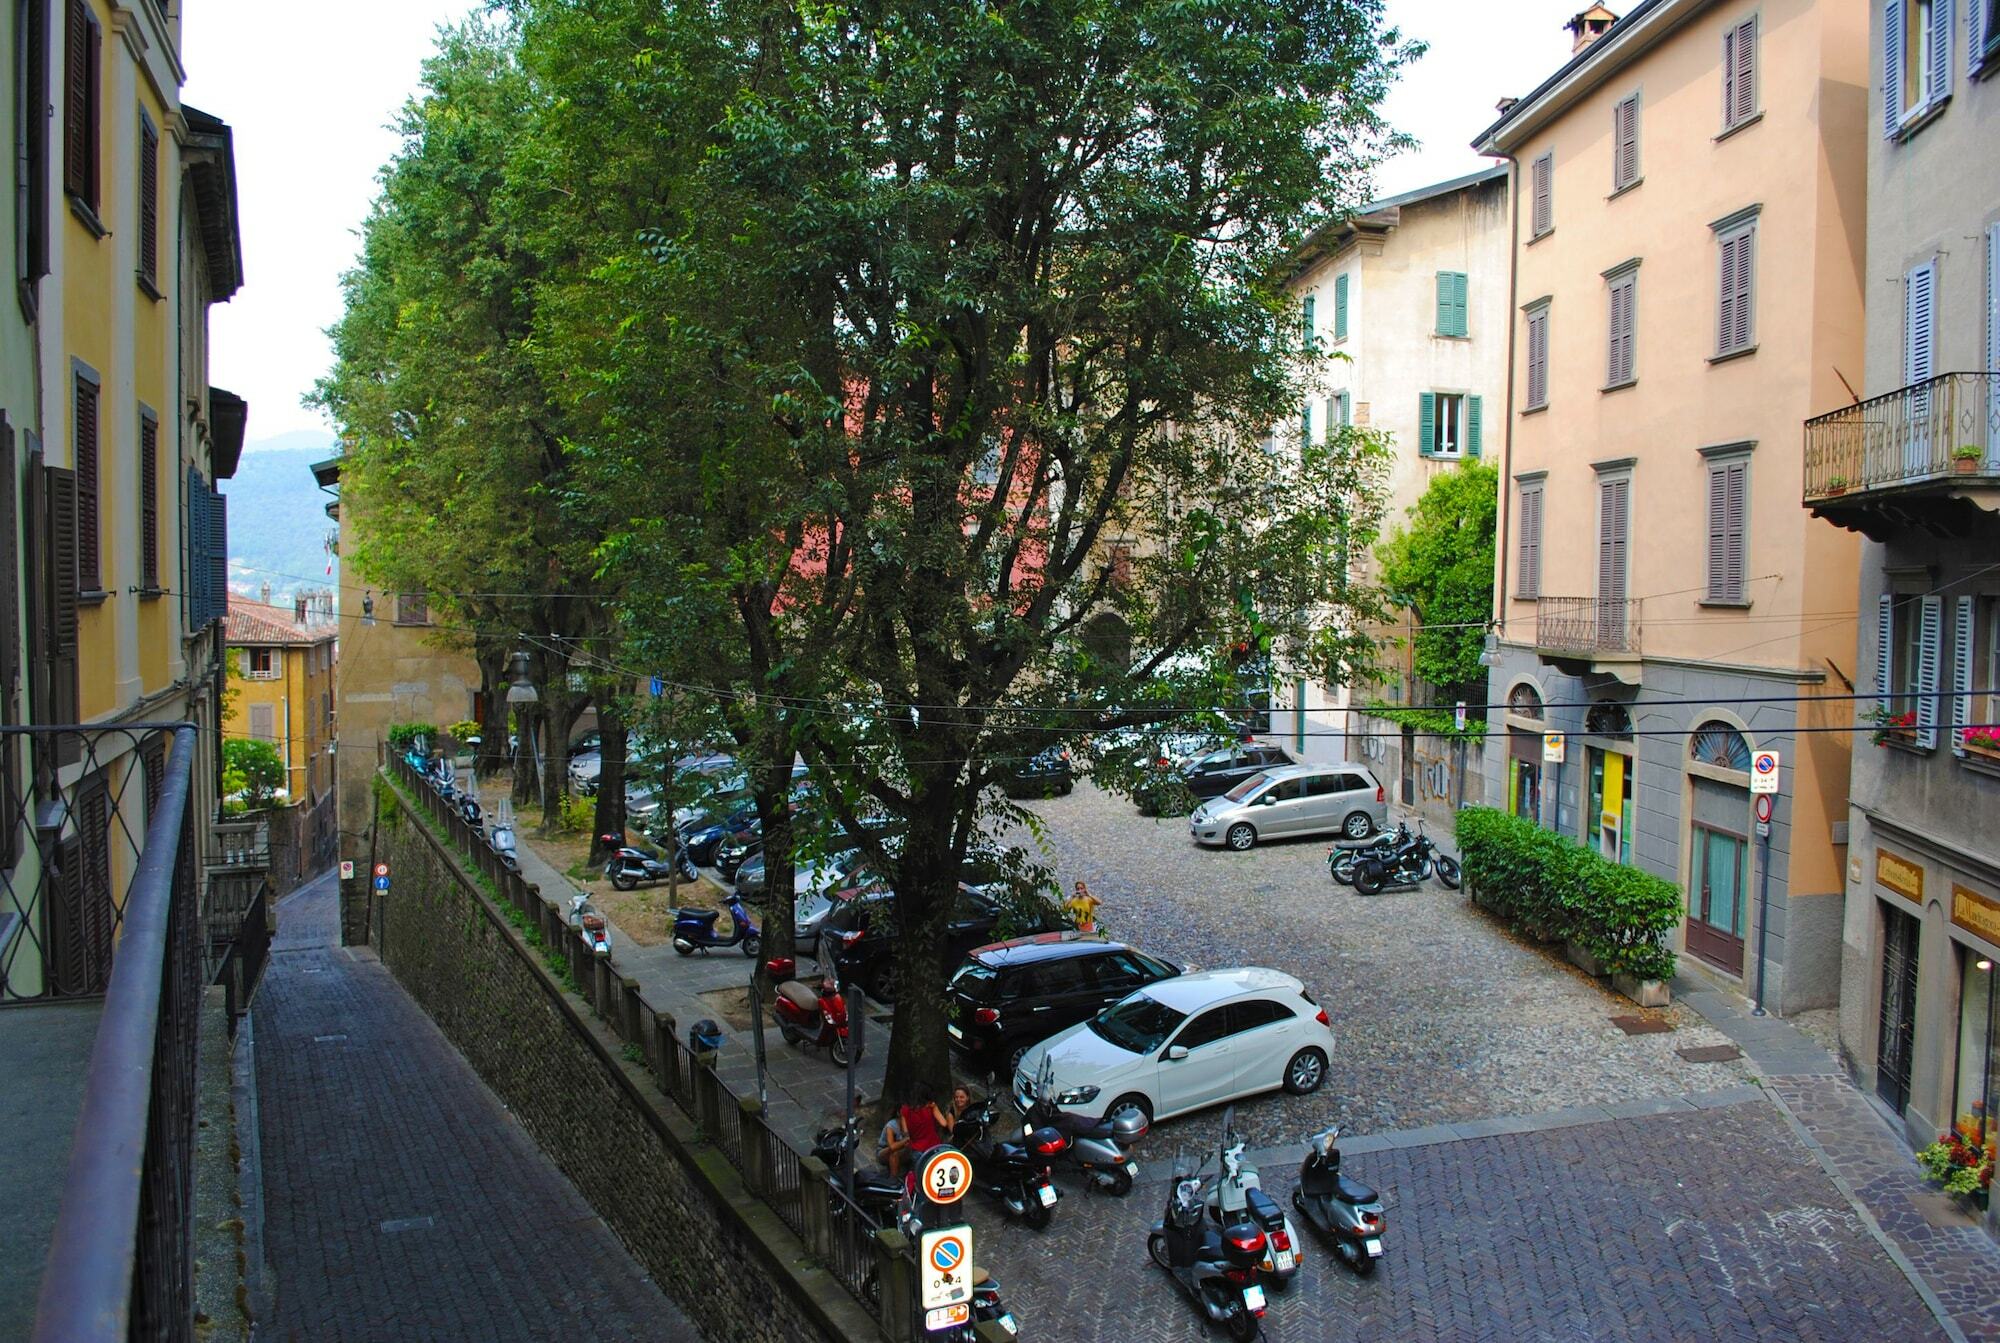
point(1590, 634)
point(241, 846)
point(1926, 455)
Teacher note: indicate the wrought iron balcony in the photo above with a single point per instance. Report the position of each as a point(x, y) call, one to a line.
point(1939, 438)
point(1587, 627)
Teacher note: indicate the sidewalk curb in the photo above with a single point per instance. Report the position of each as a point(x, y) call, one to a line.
point(1882, 1238)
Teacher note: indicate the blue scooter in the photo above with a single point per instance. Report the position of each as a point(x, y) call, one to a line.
point(694, 929)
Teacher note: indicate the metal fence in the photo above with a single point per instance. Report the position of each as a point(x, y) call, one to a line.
point(1947, 425)
point(101, 895)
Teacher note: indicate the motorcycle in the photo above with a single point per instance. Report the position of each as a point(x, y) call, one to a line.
point(805, 1017)
point(878, 1194)
point(500, 837)
point(694, 929)
point(1238, 1197)
point(1345, 1211)
point(583, 917)
point(1407, 867)
point(1216, 1268)
point(1016, 1174)
point(1097, 1149)
point(1341, 862)
point(629, 866)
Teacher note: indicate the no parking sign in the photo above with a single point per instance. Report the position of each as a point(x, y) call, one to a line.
point(944, 1262)
point(1764, 772)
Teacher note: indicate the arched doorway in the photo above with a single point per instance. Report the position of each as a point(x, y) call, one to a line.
point(1718, 845)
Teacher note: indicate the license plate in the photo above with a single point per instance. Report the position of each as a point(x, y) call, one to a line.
point(1253, 1298)
point(1007, 1322)
point(1047, 1194)
point(1132, 1169)
point(956, 1033)
point(1285, 1261)
point(944, 1317)
point(1374, 1249)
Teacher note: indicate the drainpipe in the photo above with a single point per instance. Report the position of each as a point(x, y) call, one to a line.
point(1507, 438)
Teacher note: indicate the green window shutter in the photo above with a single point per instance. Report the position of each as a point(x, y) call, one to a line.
point(1462, 305)
point(1306, 425)
point(1472, 426)
point(1426, 422)
point(1340, 307)
point(1444, 303)
point(1310, 334)
point(1451, 294)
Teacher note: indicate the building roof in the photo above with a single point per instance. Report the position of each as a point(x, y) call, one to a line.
point(1379, 216)
point(253, 624)
point(211, 160)
point(1647, 21)
point(229, 416)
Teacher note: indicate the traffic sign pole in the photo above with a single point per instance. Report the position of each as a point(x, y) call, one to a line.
point(1765, 804)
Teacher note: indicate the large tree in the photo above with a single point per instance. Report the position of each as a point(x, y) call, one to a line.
point(1439, 567)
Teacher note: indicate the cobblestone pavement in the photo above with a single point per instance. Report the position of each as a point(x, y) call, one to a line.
point(1959, 1261)
point(402, 1201)
point(1701, 1225)
point(1441, 1015)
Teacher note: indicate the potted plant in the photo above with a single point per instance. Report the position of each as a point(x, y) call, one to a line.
point(1836, 484)
point(1961, 1162)
point(1965, 459)
point(1891, 725)
point(1981, 741)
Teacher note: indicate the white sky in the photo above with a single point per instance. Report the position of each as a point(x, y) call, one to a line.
point(311, 135)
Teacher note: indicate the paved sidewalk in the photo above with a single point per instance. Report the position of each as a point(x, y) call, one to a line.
point(402, 1201)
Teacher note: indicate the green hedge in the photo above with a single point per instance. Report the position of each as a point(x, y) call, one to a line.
point(1557, 889)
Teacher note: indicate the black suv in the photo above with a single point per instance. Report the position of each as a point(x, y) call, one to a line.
point(1175, 789)
point(1045, 774)
point(1013, 995)
point(974, 920)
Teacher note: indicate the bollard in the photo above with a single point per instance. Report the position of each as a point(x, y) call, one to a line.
point(633, 1012)
point(756, 1139)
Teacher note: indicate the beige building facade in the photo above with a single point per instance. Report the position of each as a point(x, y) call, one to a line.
point(1689, 230)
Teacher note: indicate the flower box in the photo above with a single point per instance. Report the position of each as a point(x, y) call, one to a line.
point(1582, 959)
point(1645, 992)
point(1983, 742)
point(1965, 466)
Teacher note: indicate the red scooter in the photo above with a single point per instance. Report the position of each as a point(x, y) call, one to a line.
point(808, 1017)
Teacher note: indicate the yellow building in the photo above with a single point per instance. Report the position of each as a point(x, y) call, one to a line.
point(281, 689)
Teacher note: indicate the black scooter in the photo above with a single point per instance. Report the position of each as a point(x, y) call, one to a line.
point(1016, 1174)
point(1406, 867)
point(1215, 1267)
point(629, 867)
point(1347, 1212)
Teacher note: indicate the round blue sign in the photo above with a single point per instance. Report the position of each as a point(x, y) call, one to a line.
point(946, 1254)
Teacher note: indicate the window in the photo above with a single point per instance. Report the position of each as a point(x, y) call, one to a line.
point(1984, 41)
point(1736, 327)
point(1311, 335)
point(1919, 323)
point(1447, 424)
point(1538, 357)
point(1340, 307)
point(1739, 74)
point(1340, 411)
point(412, 608)
point(89, 576)
point(1614, 546)
point(1621, 362)
point(1625, 144)
point(1528, 564)
point(31, 145)
point(1976, 667)
point(1205, 1029)
point(1451, 296)
point(149, 206)
point(259, 663)
point(1976, 1082)
point(1728, 482)
point(82, 95)
point(1908, 631)
point(263, 723)
point(1541, 186)
point(1254, 1012)
point(149, 502)
point(1916, 60)
point(1720, 745)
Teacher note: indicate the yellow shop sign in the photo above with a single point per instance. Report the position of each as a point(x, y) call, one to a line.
point(1900, 875)
point(1975, 913)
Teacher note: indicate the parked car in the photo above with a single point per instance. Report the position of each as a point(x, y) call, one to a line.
point(738, 846)
point(1293, 800)
point(1045, 774)
point(974, 922)
point(1178, 784)
point(1014, 994)
point(1187, 1042)
point(705, 832)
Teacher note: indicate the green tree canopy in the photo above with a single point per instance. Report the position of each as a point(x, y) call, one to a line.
point(252, 772)
point(1440, 567)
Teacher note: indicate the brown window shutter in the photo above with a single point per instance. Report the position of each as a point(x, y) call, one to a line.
point(34, 197)
point(89, 577)
point(149, 202)
point(10, 579)
point(149, 503)
point(76, 98)
point(61, 534)
point(94, 100)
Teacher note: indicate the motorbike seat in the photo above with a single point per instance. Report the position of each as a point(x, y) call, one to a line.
point(799, 996)
point(1009, 1151)
point(702, 916)
point(1077, 1127)
point(1353, 1191)
point(1262, 1207)
point(877, 1184)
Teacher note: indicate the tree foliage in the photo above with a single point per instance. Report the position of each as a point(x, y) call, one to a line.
point(252, 772)
point(1440, 567)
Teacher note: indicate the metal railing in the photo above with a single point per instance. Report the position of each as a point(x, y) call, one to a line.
point(1588, 625)
point(1946, 426)
point(119, 1263)
point(241, 844)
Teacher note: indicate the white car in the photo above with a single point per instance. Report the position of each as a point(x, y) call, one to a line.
point(1183, 1043)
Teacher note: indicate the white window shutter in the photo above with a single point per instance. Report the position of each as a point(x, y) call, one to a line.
point(1919, 323)
point(1885, 652)
point(1729, 77)
point(1961, 672)
point(1928, 652)
point(1940, 82)
point(1975, 32)
point(1892, 67)
point(1743, 73)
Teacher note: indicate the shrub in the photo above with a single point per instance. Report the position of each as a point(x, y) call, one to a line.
point(403, 736)
point(1557, 889)
point(252, 772)
point(576, 813)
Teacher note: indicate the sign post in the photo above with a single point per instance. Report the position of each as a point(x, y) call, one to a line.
point(1764, 787)
point(944, 1276)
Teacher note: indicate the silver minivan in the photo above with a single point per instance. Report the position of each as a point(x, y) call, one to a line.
point(1293, 800)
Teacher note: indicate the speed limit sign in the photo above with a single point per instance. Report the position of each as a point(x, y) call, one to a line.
point(945, 1176)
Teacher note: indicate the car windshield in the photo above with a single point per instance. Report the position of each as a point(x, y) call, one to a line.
point(1139, 1024)
point(1241, 792)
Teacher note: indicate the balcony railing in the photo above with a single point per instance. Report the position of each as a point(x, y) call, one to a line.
point(1946, 427)
point(103, 886)
point(1588, 626)
point(241, 845)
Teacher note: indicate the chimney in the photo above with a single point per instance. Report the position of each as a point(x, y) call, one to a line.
point(299, 610)
point(1505, 105)
point(266, 593)
point(1588, 26)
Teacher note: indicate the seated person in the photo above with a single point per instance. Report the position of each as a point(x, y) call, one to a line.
point(891, 1146)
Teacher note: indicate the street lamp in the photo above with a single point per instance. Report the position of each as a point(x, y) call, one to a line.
point(522, 691)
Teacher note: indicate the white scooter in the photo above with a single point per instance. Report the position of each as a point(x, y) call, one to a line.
point(1239, 1197)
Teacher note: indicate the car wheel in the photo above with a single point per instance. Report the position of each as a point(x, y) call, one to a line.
point(1241, 838)
point(1358, 825)
point(882, 986)
point(1014, 1062)
point(1130, 1101)
point(1305, 1072)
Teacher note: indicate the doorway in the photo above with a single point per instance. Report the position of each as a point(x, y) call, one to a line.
point(1896, 1042)
point(1716, 882)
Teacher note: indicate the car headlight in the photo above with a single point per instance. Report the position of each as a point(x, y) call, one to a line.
point(1078, 1096)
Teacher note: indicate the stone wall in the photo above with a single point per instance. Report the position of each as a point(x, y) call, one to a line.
point(678, 1205)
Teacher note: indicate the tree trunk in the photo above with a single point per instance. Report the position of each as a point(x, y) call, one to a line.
point(926, 890)
point(777, 922)
point(610, 815)
point(493, 753)
point(559, 714)
point(524, 753)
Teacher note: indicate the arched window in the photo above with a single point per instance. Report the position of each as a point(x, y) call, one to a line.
point(1524, 702)
point(1716, 743)
point(1607, 718)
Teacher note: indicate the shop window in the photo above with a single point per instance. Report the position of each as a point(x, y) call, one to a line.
point(1977, 1082)
point(1607, 719)
point(1608, 819)
point(1524, 702)
point(1524, 772)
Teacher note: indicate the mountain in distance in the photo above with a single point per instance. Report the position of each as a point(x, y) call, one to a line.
point(277, 516)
